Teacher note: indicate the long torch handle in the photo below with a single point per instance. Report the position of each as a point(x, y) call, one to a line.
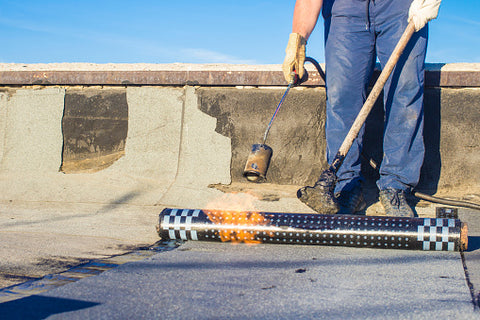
point(290, 85)
point(372, 97)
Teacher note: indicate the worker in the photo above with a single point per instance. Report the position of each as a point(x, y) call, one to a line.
point(357, 32)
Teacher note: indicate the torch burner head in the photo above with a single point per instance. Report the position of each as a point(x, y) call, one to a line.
point(257, 163)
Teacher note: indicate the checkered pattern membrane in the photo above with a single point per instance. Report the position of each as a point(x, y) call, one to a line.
point(435, 234)
point(338, 230)
point(178, 223)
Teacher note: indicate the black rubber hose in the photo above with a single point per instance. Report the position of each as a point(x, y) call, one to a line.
point(455, 203)
point(317, 66)
point(426, 197)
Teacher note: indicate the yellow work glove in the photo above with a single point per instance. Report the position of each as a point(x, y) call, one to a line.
point(422, 11)
point(294, 57)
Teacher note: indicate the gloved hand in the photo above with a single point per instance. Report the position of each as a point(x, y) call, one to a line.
point(294, 57)
point(422, 11)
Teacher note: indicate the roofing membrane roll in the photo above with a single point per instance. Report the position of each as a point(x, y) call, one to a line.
point(438, 234)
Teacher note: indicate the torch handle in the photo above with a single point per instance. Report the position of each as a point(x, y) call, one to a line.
point(290, 85)
point(373, 96)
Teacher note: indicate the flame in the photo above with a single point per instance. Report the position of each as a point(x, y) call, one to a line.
point(235, 209)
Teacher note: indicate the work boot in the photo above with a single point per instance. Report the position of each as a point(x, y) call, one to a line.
point(352, 201)
point(395, 203)
point(320, 197)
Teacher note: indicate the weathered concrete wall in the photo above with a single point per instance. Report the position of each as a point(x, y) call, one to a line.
point(32, 130)
point(458, 136)
point(95, 122)
point(296, 136)
point(151, 142)
point(169, 146)
point(451, 135)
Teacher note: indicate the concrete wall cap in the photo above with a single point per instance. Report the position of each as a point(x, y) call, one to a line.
point(192, 67)
point(180, 74)
point(137, 67)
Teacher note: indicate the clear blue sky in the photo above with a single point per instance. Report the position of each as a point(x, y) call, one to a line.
point(161, 31)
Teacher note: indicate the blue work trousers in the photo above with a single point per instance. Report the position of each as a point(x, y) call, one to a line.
point(357, 32)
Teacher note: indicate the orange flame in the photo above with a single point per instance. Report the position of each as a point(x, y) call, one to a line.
point(236, 212)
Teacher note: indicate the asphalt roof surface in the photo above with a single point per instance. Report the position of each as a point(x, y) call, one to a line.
point(202, 280)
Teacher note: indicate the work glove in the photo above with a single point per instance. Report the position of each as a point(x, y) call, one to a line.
point(294, 57)
point(422, 11)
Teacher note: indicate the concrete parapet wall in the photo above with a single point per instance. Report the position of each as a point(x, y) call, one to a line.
point(151, 132)
point(169, 142)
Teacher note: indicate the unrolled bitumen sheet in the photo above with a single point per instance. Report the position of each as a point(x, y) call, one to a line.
point(206, 280)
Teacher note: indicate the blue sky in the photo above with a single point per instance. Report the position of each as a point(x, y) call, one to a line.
point(161, 31)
